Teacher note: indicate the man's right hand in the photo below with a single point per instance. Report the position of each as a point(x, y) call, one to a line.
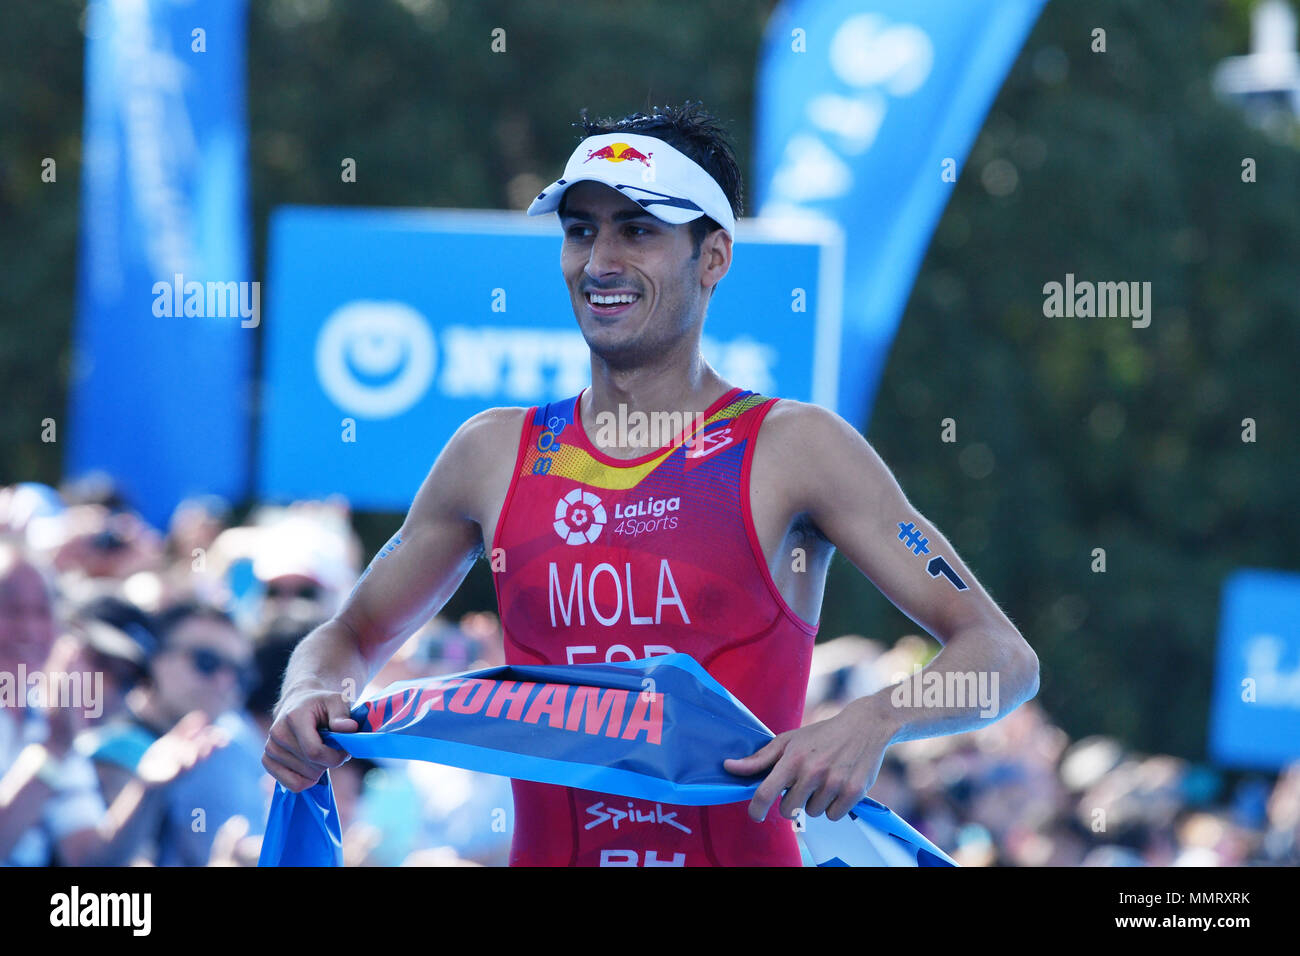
point(295, 754)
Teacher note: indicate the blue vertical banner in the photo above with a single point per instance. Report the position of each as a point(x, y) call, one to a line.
point(862, 107)
point(166, 311)
point(1255, 709)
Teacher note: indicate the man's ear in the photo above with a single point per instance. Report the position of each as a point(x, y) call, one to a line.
point(715, 257)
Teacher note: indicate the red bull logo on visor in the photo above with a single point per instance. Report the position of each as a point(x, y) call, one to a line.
point(617, 153)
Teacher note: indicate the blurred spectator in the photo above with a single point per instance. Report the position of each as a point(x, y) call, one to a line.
point(361, 837)
point(33, 514)
point(195, 525)
point(274, 647)
point(1019, 793)
point(115, 659)
point(107, 544)
point(95, 488)
point(51, 808)
point(1282, 840)
point(204, 669)
point(296, 562)
point(51, 805)
point(127, 620)
point(842, 669)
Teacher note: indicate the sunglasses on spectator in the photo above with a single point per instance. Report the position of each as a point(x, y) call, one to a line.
point(208, 662)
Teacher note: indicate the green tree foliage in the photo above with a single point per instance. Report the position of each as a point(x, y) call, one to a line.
point(1103, 435)
point(40, 117)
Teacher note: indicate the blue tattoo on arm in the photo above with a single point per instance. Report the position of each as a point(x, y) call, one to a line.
point(918, 545)
point(393, 544)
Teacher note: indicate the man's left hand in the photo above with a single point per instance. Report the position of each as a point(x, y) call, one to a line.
point(826, 767)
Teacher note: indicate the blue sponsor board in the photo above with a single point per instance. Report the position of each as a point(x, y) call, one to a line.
point(1255, 716)
point(386, 329)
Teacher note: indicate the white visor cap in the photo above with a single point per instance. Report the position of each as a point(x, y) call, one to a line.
point(665, 182)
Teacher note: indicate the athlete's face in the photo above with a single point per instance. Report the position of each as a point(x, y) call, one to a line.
point(612, 246)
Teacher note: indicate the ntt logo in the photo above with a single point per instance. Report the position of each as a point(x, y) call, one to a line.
point(579, 516)
point(375, 359)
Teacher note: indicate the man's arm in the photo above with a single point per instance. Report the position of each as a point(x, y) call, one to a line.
point(407, 583)
point(87, 834)
point(23, 796)
point(35, 778)
point(839, 482)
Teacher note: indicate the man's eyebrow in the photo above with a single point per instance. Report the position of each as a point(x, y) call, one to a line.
point(621, 216)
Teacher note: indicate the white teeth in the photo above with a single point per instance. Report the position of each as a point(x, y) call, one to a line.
point(611, 299)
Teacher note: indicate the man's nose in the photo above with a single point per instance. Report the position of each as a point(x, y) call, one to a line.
point(606, 256)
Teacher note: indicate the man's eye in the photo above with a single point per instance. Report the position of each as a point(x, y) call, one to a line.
point(583, 232)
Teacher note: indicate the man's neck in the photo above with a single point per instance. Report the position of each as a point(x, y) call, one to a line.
point(675, 384)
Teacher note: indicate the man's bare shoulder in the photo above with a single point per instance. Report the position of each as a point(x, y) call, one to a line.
point(477, 458)
point(490, 430)
point(794, 425)
point(485, 446)
point(810, 450)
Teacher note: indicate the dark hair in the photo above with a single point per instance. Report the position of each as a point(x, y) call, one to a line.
point(95, 488)
point(169, 619)
point(692, 131)
point(125, 616)
point(271, 658)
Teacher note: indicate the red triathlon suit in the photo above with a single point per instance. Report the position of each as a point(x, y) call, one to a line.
point(610, 560)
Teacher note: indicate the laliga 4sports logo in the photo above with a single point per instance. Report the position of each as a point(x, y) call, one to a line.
point(579, 516)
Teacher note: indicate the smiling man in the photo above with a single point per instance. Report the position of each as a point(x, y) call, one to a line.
point(714, 542)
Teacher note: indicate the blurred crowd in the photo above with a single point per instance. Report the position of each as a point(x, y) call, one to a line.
point(139, 670)
point(162, 655)
point(1021, 793)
